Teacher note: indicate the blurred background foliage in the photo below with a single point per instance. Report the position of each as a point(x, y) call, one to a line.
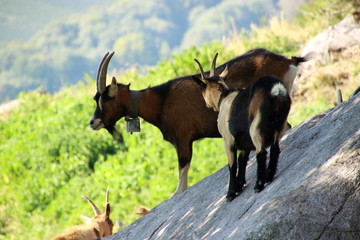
point(49, 156)
point(51, 44)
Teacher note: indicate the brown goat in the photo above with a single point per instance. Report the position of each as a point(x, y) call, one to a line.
point(96, 227)
point(177, 107)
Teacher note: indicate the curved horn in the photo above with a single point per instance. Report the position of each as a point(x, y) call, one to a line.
point(212, 71)
point(101, 77)
point(99, 70)
point(201, 69)
point(225, 71)
point(94, 207)
point(107, 195)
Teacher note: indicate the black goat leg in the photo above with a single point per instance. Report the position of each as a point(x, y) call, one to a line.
point(231, 154)
point(261, 170)
point(274, 156)
point(241, 177)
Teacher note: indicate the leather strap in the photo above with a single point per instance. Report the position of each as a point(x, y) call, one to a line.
point(134, 105)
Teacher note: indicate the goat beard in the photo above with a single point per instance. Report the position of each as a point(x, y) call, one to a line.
point(117, 136)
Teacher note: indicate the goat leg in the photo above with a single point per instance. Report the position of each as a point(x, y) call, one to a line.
point(231, 154)
point(274, 156)
point(184, 152)
point(261, 170)
point(241, 178)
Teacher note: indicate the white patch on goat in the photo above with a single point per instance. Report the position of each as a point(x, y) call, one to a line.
point(278, 90)
point(223, 123)
point(255, 132)
point(289, 77)
point(183, 180)
point(96, 123)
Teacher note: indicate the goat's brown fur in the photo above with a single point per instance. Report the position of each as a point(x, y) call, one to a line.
point(98, 226)
point(168, 106)
point(255, 103)
point(142, 211)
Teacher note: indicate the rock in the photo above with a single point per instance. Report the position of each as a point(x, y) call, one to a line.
point(335, 38)
point(315, 193)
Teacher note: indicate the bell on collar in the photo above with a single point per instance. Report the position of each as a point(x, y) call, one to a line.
point(133, 125)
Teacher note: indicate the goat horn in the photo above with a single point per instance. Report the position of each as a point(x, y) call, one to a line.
point(107, 195)
point(212, 71)
point(225, 71)
point(201, 69)
point(94, 207)
point(99, 70)
point(102, 71)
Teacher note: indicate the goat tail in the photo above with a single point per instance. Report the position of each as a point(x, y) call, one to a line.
point(280, 102)
point(279, 90)
point(297, 60)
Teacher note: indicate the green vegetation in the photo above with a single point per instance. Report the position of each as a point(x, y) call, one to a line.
point(49, 156)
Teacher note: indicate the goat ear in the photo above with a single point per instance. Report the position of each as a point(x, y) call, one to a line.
point(199, 81)
point(113, 87)
point(85, 219)
point(107, 210)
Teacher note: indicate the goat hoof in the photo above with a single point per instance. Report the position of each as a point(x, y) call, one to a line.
point(269, 179)
point(239, 188)
point(230, 197)
point(258, 188)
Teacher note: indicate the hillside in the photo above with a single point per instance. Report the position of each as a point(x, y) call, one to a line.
point(20, 19)
point(49, 156)
point(141, 32)
point(315, 194)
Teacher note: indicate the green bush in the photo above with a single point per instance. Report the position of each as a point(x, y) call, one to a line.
point(50, 157)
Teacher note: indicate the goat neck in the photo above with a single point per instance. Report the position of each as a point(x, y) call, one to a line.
point(140, 103)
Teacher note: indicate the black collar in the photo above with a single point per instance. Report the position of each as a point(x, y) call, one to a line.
point(134, 105)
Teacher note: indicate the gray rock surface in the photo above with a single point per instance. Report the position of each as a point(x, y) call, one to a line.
point(315, 193)
point(341, 36)
point(344, 34)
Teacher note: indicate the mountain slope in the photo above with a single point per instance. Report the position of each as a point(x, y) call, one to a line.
point(314, 195)
point(20, 19)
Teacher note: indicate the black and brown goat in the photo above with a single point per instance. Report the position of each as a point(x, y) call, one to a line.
point(177, 107)
point(253, 118)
